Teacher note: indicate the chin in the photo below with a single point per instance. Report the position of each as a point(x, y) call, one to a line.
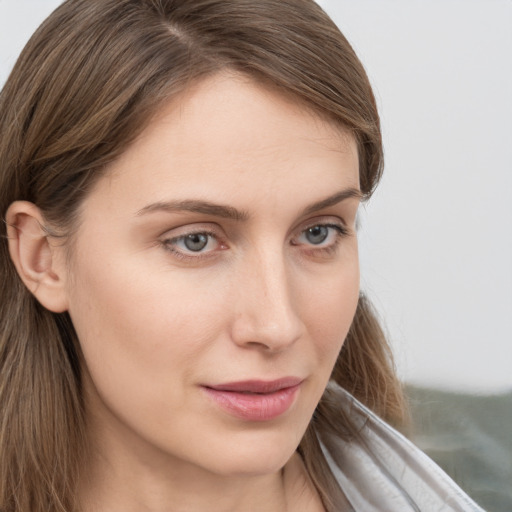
point(256, 466)
point(252, 455)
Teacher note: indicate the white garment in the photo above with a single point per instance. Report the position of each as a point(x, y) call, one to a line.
point(387, 473)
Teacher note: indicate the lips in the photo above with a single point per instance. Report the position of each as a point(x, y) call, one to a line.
point(255, 400)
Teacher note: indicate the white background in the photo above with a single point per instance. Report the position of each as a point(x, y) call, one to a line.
point(436, 239)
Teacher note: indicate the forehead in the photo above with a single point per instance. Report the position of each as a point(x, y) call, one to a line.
point(230, 137)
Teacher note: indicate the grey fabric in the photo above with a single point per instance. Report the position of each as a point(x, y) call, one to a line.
point(387, 473)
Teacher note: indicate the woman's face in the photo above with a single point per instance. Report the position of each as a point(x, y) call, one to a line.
point(214, 277)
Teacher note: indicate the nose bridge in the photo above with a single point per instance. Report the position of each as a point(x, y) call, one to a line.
point(267, 312)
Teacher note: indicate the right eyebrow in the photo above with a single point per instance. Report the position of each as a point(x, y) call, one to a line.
point(196, 206)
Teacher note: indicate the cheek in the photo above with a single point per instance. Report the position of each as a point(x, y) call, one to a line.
point(146, 341)
point(328, 311)
point(330, 308)
point(140, 327)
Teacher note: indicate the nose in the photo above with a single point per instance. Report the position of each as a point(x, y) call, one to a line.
point(266, 309)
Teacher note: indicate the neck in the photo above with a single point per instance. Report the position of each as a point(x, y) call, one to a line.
point(132, 487)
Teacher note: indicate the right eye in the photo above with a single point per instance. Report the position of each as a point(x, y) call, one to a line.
point(192, 245)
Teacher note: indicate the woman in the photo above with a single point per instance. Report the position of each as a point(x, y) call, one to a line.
point(181, 320)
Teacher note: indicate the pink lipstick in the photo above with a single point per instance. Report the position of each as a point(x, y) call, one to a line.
point(255, 400)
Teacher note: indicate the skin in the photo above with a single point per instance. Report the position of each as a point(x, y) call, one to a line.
point(157, 321)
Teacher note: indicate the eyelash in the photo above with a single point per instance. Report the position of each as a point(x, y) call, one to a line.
point(169, 244)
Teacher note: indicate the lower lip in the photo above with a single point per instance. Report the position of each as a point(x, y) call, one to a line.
point(255, 407)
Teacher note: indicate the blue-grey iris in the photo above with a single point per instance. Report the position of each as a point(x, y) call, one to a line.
point(196, 242)
point(317, 234)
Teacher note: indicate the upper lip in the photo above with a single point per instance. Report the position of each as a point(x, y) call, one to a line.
point(257, 386)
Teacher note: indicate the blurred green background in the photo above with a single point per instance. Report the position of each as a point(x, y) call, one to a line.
point(470, 437)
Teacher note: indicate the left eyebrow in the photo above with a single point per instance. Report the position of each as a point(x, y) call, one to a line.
point(348, 193)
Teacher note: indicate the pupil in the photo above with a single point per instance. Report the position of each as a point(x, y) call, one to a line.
point(196, 242)
point(317, 234)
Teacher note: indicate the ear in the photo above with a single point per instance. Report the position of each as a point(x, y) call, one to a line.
point(39, 263)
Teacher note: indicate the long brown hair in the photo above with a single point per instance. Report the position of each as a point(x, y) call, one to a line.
point(84, 87)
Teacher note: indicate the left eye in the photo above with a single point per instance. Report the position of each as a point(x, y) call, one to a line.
point(320, 235)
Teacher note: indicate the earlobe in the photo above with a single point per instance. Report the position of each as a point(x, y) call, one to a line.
point(37, 261)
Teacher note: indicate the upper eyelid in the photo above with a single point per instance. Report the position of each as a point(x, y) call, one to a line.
point(191, 232)
point(326, 220)
point(334, 225)
point(191, 229)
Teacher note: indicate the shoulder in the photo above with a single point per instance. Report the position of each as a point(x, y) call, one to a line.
point(384, 471)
